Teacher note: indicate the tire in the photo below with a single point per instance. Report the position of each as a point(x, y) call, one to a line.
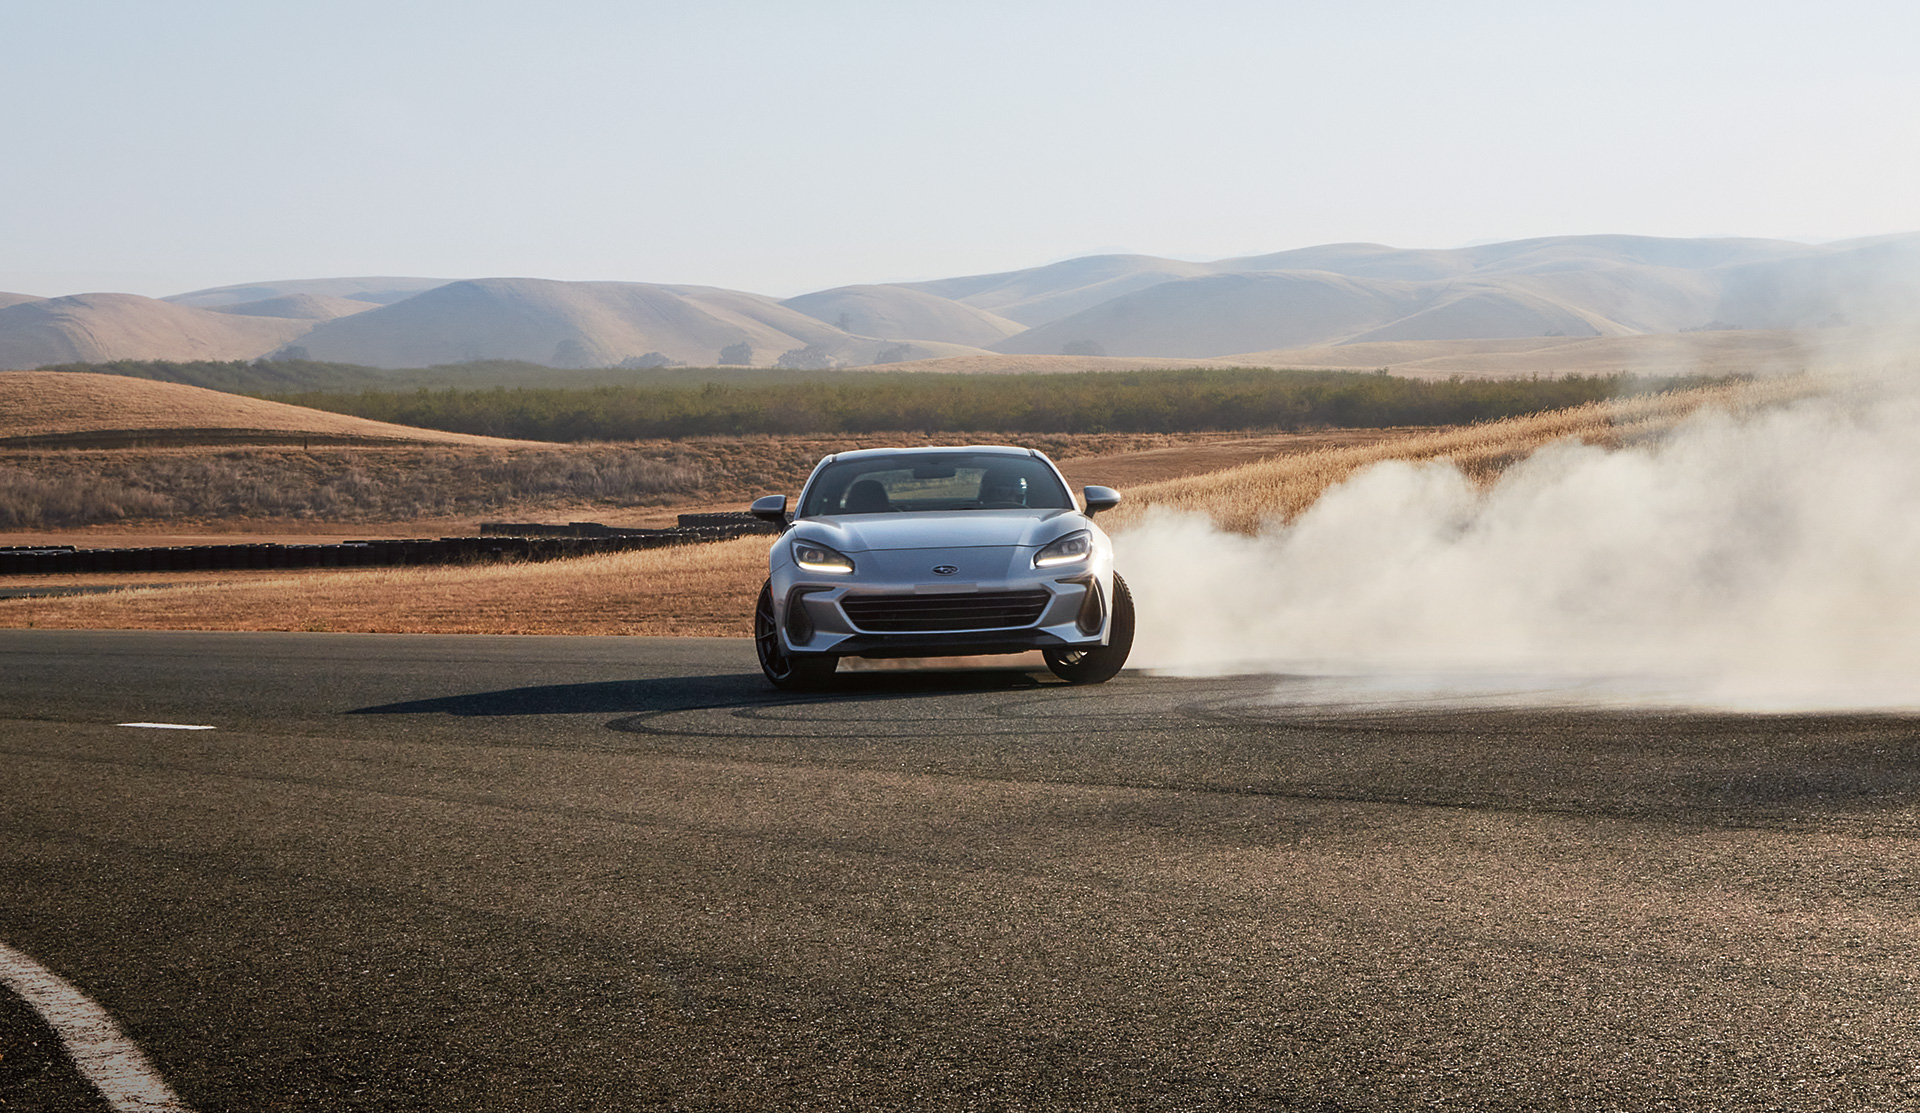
point(787, 671)
point(1101, 663)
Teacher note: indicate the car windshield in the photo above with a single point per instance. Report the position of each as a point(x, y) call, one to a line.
point(935, 481)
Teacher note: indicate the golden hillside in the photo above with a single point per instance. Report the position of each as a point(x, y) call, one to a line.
point(75, 409)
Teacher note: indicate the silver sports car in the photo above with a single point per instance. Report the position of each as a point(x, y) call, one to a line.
point(940, 552)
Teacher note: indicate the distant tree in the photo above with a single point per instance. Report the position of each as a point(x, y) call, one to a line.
point(813, 357)
point(895, 353)
point(846, 321)
point(571, 353)
point(291, 351)
point(1082, 348)
point(737, 355)
point(647, 362)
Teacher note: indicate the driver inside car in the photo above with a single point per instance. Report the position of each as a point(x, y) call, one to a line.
point(866, 497)
point(1003, 488)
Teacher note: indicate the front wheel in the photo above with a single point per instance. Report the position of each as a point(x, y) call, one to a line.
point(1100, 663)
point(786, 670)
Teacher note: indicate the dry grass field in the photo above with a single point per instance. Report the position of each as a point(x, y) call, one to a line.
point(708, 589)
point(1196, 454)
point(1246, 497)
point(273, 489)
point(73, 496)
point(79, 409)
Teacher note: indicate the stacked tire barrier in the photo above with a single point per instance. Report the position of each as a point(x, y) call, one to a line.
point(737, 520)
point(732, 519)
point(379, 553)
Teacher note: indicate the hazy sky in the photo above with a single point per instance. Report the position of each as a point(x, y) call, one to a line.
point(783, 147)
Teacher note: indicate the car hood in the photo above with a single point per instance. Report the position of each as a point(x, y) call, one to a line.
point(950, 529)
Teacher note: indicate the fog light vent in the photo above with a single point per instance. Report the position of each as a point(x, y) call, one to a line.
point(1093, 609)
point(799, 622)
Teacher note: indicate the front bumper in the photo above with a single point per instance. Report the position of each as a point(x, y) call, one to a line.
point(813, 619)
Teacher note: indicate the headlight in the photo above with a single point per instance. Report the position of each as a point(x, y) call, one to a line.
point(815, 557)
point(1074, 548)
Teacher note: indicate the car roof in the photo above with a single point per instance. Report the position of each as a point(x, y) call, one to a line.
point(870, 453)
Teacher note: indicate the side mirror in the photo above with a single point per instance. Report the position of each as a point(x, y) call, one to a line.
point(771, 508)
point(1100, 498)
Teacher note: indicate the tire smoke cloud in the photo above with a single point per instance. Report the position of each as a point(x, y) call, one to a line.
point(1764, 561)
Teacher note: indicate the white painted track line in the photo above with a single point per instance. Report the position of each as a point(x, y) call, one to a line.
point(102, 1052)
point(165, 726)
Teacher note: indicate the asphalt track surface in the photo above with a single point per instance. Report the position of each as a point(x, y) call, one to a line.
point(447, 873)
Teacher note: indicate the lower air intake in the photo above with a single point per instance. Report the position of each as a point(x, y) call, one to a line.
point(914, 614)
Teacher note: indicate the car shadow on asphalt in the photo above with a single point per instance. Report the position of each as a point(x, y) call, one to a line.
point(681, 693)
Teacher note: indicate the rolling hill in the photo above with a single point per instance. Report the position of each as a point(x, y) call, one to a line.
point(562, 324)
point(1127, 307)
point(904, 313)
point(1041, 294)
point(1566, 286)
point(1866, 283)
point(1730, 352)
point(297, 307)
point(88, 328)
point(1368, 260)
point(1222, 313)
point(377, 290)
point(75, 409)
point(582, 324)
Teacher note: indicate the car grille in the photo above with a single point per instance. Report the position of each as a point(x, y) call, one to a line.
point(907, 614)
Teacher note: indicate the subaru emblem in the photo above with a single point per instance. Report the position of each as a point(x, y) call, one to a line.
point(945, 570)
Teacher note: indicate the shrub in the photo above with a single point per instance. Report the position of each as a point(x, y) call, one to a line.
point(813, 357)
